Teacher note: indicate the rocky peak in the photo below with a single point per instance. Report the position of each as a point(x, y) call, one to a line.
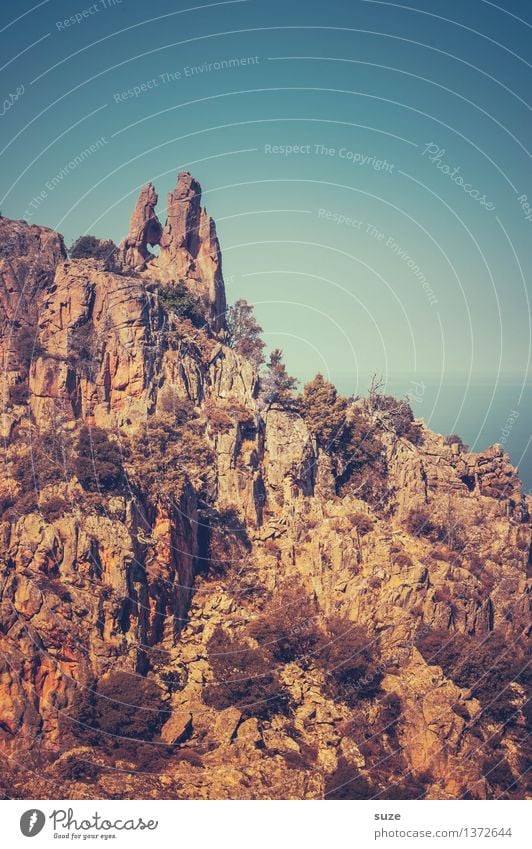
point(144, 229)
point(181, 231)
point(189, 247)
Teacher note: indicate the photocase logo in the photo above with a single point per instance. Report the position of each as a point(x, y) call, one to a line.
point(32, 822)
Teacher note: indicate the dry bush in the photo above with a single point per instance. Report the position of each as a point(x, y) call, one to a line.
point(19, 393)
point(442, 594)
point(487, 666)
point(403, 560)
point(288, 628)
point(243, 678)
point(226, 544)
point(168, 452)
point(272, 547)
point(454, 439)
point(362, 522)
point(26, 346)
point(37, 460)
point(395, 415)
point(419, 523)
point(349, 659)
point(498, 774)
point(449, 530)
point(347, 783)
point(54, 508)
point(218, 417)
point(121, 717)
point(98, 461)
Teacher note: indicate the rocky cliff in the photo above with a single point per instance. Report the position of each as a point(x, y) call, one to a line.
point(201, 596)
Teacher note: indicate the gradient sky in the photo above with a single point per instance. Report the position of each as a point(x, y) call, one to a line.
point(354, 85)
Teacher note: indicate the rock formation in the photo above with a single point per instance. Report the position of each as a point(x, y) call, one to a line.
point(29, 256)
point(189, 248)
point(155, 514)
point(144, 230)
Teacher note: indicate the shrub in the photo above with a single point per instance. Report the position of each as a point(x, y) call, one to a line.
point(350, 662)
point(178, 300)
point(189, 756)
point(448, 530)
point(347, 783)
point(74, 768)
point(364, 467)
point(166, 453)
point(442, 594)
point(454, 439)
point(395, 415)
point(497, 772)
point(244, 678)
point(403, 560)
point(218, 417)
point(419, 523)
point(19, 393)
point(485, 666)
point(324, 412)
point(98, 463)
point(242, 581)
point(288, 629)
point(223, 416)
point(123, 715)
point(181, 409)
point(362, 522)
point(82, 348)
point(42, 459)
point(225, 543)
point(49, 585)
point(272, 547)
point(26, 346)
point(54, 508)
point(89, 247)
point(349, 437)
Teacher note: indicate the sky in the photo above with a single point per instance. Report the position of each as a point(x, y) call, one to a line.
point(367, 164)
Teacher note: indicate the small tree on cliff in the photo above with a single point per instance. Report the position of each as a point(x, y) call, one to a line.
point(245, 332)
point(277, 387)
point(392, 414)
point(324, 411)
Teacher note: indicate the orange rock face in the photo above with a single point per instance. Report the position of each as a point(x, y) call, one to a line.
point(116, 588)
point(144, 230)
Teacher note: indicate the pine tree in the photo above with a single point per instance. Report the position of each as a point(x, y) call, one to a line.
point(324, 411)
point(245, 332)
point(277, 387)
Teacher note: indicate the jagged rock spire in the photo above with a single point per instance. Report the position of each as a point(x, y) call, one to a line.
point(189, 246)
point(144, 229)
point(181, 231)
point(190, 250)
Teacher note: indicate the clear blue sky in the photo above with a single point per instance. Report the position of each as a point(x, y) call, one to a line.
point(363, 251)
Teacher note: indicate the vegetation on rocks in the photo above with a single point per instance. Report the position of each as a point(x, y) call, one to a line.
point(243, 678)
point(215, 587)
point(277, 386)
point(89, 247)
point(244, 332)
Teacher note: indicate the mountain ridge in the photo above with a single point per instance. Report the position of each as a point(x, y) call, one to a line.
point(161, 513)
